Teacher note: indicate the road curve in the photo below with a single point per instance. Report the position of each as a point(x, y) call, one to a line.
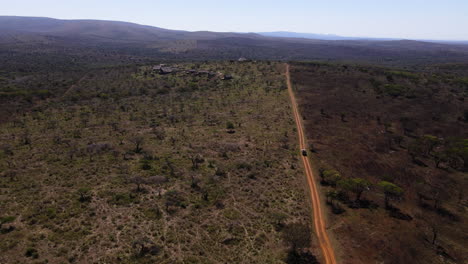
point(319, 221)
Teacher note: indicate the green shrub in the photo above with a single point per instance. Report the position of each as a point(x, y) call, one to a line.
point(330, 177)
point(403, 74)
point(355, 185)
point(229, 125)
point(6, 219)
point(391, 191)
point(395, 90)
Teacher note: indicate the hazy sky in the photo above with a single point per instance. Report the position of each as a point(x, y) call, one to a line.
point(414, 19)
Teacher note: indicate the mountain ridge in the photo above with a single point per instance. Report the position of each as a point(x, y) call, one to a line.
point(39, 36)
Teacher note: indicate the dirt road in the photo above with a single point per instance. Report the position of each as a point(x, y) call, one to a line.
point(319, 221)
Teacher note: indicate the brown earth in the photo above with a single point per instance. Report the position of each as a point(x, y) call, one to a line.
point(375, 124)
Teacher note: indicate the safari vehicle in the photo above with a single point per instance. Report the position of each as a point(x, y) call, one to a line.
point(304, 152)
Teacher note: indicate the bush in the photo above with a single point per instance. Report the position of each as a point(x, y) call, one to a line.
point(395, 90)
point(391, 191)
point(330, 177)
point(145, 164)
point(229, 125)
point(32, 253)
point(295, 257)
point(355, 185)
point(404, 74)
point(6, 219)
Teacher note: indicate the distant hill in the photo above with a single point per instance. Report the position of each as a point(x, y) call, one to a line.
point(100, 30)
point(287, 34)
point(115, 42)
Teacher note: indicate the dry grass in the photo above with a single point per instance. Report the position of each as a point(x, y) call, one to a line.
point(224, 196)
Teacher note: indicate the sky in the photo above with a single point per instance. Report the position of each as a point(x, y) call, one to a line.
point(409, 19)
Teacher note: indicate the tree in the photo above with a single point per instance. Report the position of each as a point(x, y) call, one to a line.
point(96, 149)
point(332, 197)
point(356, 186)
point(159, 132)
point(391, 192)
point(138, 142)
point(433, 190)
point(423, 146)
point(138, 180)
point(440, 157)
point(301, 257)
point(414, 150)
point(32, 253)
point(158, 181)
point(6, 220)
point(196, 160)
point(330, 177)
point(229, 125)
point(429, 142)
point(84, 193)
point(144, 246)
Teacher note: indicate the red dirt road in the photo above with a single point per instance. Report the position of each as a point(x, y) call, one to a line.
point(319, 221)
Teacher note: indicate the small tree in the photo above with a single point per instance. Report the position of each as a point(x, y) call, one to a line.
point(229, 125)
point(138, 180)
point(96, 149)
point(440, 157)
point(144, 246)
point(355, 185)
point(332, 197)
point(391, 192)
point(6, 220)
point(429, 142)
point(159, 132)
point(138, 142)
point(158, 181)
point(84, 194)
point(330, 177)
point(196, 161)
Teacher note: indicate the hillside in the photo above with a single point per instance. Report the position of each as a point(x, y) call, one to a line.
point(99, 30)
point(79, 43)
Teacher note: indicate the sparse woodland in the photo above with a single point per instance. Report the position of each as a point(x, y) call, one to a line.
point(122, 165)
point(391, 149)
point(111, 162)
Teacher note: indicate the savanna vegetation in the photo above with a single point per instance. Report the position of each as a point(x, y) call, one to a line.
point(391, 147)
point(124, 165)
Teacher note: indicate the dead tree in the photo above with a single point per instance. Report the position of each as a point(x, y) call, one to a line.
point(138, 142)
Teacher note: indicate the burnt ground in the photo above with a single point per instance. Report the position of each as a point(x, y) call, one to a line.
point(407, 128)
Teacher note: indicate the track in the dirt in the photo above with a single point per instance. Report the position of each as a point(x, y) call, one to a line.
point(319, 221)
